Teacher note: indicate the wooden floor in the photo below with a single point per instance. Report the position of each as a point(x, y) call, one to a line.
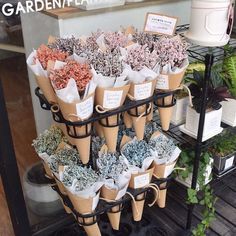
point(14, 77)
point(172, 219)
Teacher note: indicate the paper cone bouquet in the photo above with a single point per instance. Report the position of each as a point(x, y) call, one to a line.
point(114, 171)
point(83, 188)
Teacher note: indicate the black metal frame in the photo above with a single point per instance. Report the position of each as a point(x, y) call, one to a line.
point(8, 164)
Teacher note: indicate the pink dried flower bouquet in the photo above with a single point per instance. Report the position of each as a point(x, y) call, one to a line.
point(72, 70)
point(116, 39)
point(45, 54)
point(171, 50)
point(140, 56)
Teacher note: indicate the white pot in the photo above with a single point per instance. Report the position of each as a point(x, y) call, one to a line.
point(211, 125)
point(179, 111)
point(187, 182)
point(209, 22)
point(229, 112)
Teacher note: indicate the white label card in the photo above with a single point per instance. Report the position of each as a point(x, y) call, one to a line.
point(229, 162)
point(160, 24)
point(85, 109)
point(162, 82)
point(141, 181)
point(142, 91)
point(112, 99)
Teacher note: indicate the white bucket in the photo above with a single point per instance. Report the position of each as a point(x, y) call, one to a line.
point(209, 22)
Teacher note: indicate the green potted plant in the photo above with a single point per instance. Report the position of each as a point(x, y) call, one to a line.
point(203, 195)
point(223, 152)
point(213, 108)
point(186, 160)
point(229, 77)
point(182, 96)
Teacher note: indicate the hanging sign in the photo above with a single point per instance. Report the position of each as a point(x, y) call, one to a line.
point(160, 24)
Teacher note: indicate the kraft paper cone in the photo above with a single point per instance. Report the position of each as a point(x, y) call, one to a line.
point(63, 191)
point(92, 230)
point(69, 113)
point(83, 147)
point(127, 120)
point(114, 218)
point(174, 80)
point(161, 201)
point(99, 129)
point(159, 170)
point(165, 113)
point(47, 170)
point(132, 179)
point(138, 205)
point(100, 92)
point(46, 87)
point(67, 209)
point(139, 126)
point(111, 133)
point(165, 117)
point(132, 88)
point(84, 206)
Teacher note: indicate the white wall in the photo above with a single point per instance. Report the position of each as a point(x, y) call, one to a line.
point(37, 27)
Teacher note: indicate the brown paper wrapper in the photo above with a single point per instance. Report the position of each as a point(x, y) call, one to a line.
point(47, 170)
point(82, 144)
point(150, 171)
point(137, 216)
point(63, 191)
point(99, 95)
point(175, 80)
point(127, 120)
point(132, 87)
point(111, 133)
point(114, 218)
point(84, 206)
point(165, 113)
point(161, 201)
point(47, 89)
point(159, 170)
point(139, 126)
point(99, 129)
point(67, 209)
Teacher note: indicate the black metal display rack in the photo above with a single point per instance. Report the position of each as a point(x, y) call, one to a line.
point(8, 164)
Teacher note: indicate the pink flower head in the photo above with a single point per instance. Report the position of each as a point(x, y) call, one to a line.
point(171, 50)
point(140, 56)
point(45, 54)
point(72, 70)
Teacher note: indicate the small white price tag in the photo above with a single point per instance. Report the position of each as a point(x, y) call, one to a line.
point(142, 91)
point(141, 181)
point(162, 82)
point(160, 24)
point(229, 162)
point(112, 99)
point(85, 109)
